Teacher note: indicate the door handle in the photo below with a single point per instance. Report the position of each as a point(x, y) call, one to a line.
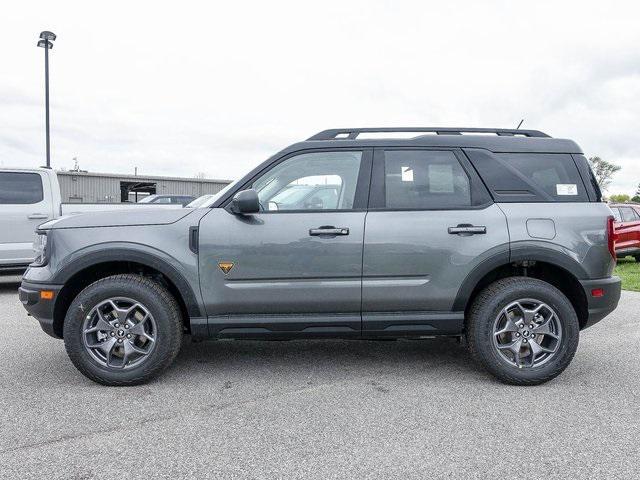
point(328, 230)
point(35, 216)
point(465, 229)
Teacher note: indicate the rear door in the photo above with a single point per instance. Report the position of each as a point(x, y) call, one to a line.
point(430, 223)
point(24, 204)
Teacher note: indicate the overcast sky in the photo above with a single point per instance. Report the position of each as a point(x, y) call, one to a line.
point(181, 87)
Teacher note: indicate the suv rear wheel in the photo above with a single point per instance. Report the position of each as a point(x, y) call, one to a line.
point(123, 330)
point(522, 330)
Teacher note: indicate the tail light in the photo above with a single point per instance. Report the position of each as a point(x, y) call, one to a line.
point(611, 237)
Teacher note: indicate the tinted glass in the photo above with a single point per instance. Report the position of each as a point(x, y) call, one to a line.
point(20, 188)
point(554, 174)
point(425, 179)
point(311, 181)
point(628, 214)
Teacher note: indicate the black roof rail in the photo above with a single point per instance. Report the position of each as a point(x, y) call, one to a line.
point(352, 133)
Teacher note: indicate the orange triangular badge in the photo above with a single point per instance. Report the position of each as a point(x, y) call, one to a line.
point(225, 266)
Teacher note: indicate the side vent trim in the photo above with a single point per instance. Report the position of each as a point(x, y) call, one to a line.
point(193, 239)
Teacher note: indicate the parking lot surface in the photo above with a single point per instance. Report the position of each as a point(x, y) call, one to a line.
point(319, 409)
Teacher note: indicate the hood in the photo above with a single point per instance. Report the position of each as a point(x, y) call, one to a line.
point(119, 218)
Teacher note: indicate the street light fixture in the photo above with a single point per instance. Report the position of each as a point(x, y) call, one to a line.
point(46, 42)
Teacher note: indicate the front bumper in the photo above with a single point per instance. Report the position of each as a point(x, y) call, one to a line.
point(39, 308)
point(601, 306)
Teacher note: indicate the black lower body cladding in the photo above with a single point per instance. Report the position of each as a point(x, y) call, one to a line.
point(602, 298)
point(40, 306)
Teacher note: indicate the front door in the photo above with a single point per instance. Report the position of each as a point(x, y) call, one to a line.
point(294, 268)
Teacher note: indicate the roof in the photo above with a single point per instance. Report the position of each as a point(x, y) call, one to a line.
point(140, 178)
point(498, 140)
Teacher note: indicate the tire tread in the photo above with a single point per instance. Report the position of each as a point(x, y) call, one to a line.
point(480, 306)
point(126, 281)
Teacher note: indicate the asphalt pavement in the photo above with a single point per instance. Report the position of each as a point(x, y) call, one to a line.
point(319, 409)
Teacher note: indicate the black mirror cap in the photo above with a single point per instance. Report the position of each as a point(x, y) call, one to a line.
point(245, 202)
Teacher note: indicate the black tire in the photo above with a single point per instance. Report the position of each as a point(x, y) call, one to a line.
point(160, 304)
point(488, 305)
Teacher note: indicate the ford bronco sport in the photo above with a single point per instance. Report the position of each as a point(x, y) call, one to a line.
point(496, 236)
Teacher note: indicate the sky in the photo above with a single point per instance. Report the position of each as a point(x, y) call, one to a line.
point(204, 87)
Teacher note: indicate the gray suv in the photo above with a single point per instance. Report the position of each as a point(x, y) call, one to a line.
point(495, 236)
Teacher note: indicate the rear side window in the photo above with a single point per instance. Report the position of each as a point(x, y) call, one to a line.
point(530, 177)
point(18, 188)
point(425, 179)
point(628, 214)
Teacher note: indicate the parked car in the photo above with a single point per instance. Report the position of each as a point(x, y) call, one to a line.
point(499, 238)
point(201, 200)
point(306, 197)
point(29, 197)
point(627, 229)
point(167, 199)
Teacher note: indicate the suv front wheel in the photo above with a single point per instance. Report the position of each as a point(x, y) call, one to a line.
point(522, 330)
point(123, 330)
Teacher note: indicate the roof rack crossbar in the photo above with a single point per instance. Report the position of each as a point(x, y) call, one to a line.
point(352, 133)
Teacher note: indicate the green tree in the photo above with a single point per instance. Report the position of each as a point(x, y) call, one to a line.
point(636, 197)
point(619, 198)
point(603, 171)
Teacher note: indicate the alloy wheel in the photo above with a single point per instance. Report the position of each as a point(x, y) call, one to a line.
point(527, 333)
point(119, 333)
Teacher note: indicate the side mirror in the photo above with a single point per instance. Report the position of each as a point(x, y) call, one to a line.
point(245, 202)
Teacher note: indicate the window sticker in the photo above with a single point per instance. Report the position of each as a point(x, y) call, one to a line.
point(566, 189)
point(407, 174)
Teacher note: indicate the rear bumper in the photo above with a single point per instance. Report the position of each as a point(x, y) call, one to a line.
point(623, 252)
point(40, 309)
point(600, 307)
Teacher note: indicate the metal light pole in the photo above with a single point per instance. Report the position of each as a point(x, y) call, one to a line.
point(46, 42)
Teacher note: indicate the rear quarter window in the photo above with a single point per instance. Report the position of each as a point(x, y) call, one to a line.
point(18, 188)
point(530, 177)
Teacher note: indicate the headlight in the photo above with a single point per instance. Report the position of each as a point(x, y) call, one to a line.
point(40, 248)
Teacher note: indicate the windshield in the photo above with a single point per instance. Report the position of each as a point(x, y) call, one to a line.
point(149, 199)
point(198, 202)
point(216, 196)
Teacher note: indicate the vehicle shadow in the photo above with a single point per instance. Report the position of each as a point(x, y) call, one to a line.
point(255, 359)
point(9, 282)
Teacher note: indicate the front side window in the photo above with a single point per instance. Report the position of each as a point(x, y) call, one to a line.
point(18, 188)
point(311, 181)
point(425, 179)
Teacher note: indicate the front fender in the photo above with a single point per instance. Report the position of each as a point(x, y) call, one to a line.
point(184, 278)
